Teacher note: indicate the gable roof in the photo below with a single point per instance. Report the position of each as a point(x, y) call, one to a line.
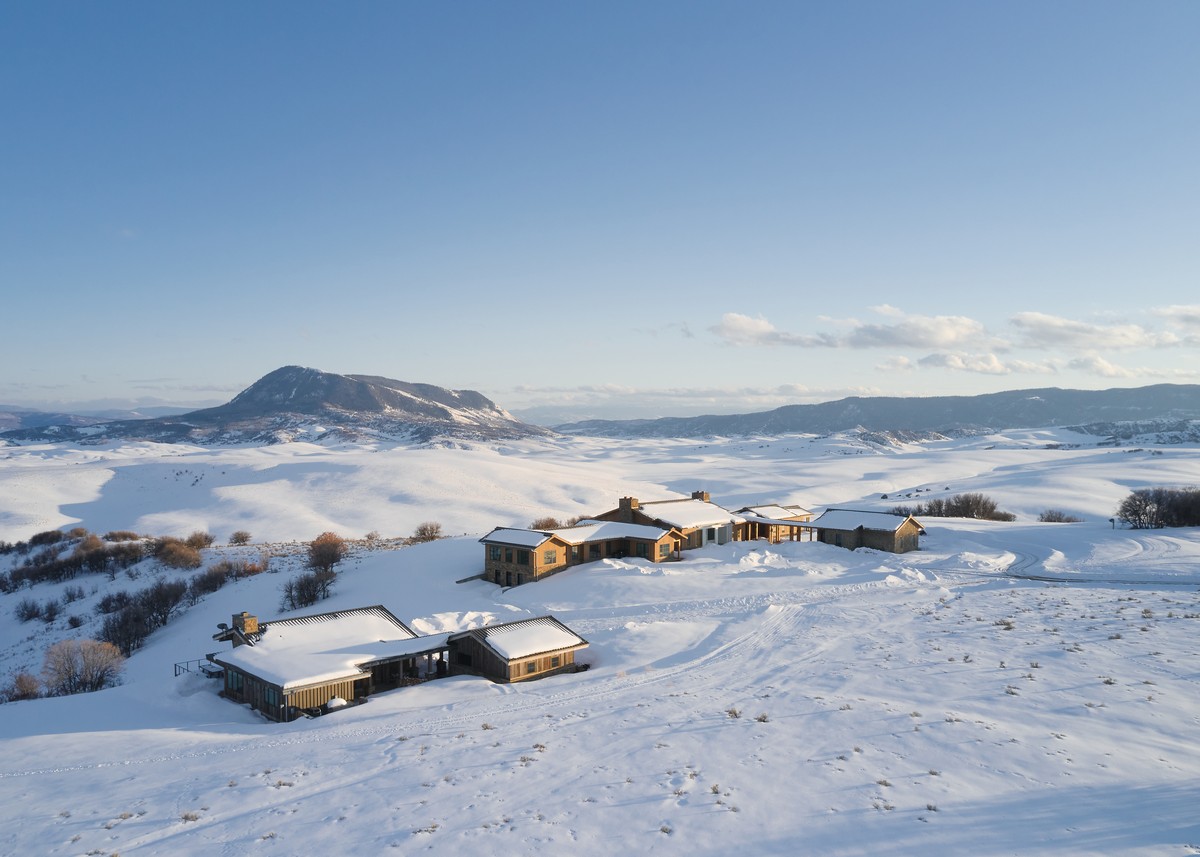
point(525, 638)
point(852, 519)
point(774, 511)
point(582, 533)
point(687, 514)
point(302, 650)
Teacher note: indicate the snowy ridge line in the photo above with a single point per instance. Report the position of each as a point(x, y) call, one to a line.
point(607, 687)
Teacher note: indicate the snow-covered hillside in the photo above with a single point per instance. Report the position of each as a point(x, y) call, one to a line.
point(782, 699)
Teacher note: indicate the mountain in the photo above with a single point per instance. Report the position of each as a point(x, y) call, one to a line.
point(14, 417)
point(295, 403)
point(941, 414)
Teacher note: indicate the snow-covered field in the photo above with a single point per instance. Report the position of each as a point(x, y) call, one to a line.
point(924, 703)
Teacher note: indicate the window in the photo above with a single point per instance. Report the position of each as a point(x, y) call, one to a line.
point(522, 557)
point(271, 696)
point(664, 550)
point(494, 552)
point(555, 661)
point(712, 534)
point(233, 681)
point(574, 553)
point(508, 554)
point(520, 578)
point(593, 551)
point(641, 549)
point(549, 557)
point(530, 667)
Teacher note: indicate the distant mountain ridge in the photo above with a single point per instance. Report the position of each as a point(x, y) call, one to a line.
point(298, 403)
point(1051, 406)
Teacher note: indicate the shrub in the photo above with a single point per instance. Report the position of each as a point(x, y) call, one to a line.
point(208, 581)
point(47, 537)
point(28, 609)
point(73, 593)
point(127, 629)
point(199, 539)
point(121, 536)
point(326, 551)
point(160, 600)
point(1056, 516)
point(307, 589)
point(81, 666)
point(427, 532)
point(239, 537)
point(23, 686)
point(50, 611)
point(977, 506)
point(111, 602)
point(546, 523)
point(177, 554)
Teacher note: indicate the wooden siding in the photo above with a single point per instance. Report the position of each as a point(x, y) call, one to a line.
point(511, 573)
point(903, 540)
point(485, 662)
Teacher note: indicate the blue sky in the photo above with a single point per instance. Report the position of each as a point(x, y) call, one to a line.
point(606, 209)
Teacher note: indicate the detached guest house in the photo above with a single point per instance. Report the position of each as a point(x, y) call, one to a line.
point(288, 667)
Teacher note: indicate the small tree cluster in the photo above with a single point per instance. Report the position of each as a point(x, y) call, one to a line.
point(145, 613)
point(1153, 508)
point(546, 523)
point(199, 539)
point(307, 589)
point(977, 506)
point(80, 666)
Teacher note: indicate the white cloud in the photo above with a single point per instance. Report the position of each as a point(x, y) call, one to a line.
point(1043, 331)
point(914, 331)
point(1094, 364)
point(984, 364)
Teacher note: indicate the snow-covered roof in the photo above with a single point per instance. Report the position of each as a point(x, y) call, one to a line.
point(581, 533)
point(516, 536)
point(775, 512)
point(598, 531)
point(688, 513)
point(527, 638)
point(303, 650)
point(852, 519)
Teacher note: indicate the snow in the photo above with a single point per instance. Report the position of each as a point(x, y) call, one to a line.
point(852, 519)
point(1009, 688)
point(304, 650)
point(596, 531)
point(532, 637)
point(515, 537)
point(688, 514)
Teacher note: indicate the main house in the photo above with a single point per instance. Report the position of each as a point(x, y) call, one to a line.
point(698, 519)
point(513, 556)
point(286, 667)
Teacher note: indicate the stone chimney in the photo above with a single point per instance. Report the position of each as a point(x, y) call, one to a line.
point(626, 507)
point(245, 623)
point(701, 495)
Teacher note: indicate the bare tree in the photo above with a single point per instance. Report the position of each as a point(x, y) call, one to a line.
point(239, 537)
point(546, 523)
point(81, 666)
point(427, 532)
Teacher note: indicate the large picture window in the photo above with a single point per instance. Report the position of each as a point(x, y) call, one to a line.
point(549, 557)
point(494, 552)
point(522, 557)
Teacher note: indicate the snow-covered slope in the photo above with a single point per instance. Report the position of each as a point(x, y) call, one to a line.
point(929, 702)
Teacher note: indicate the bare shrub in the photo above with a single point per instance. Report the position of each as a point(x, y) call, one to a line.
point(326, 551)
point(176, 554)
point(50, 611)
point(81, 666)
point(1057, 516)
point(546, 523)
point(121, 536)
point(199, 539)
point(28, 609)
point(307, 589)
point(239, 537)
point(23, 686)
